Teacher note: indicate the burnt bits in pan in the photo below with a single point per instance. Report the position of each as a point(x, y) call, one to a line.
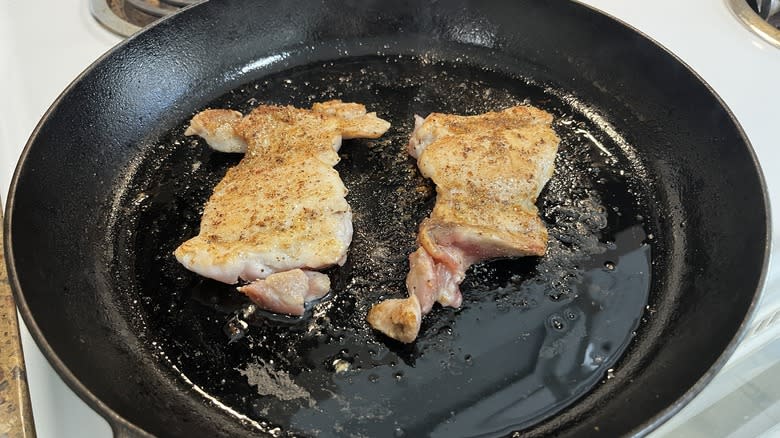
point(532, 336)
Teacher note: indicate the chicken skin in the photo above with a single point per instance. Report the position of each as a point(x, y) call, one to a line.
point(280, 214)
point(488, 170)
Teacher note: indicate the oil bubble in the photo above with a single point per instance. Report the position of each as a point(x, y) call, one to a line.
point(557, 322)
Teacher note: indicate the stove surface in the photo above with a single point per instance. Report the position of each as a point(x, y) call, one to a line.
point(125, 17)
point(45, 45)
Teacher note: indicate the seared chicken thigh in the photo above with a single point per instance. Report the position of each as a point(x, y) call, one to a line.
point(488, 170)
point(280, 214)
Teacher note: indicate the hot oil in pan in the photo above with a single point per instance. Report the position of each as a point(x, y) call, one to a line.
point(532, 336)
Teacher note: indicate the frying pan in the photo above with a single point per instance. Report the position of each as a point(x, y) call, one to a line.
point(657, 213)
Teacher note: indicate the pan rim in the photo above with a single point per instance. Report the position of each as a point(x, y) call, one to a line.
point(667, 413)
point(119, 424)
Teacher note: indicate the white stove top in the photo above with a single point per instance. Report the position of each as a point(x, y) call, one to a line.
point(44, 45)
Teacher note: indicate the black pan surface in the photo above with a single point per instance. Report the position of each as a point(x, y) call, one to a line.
point(534, 334)
point(644, 287)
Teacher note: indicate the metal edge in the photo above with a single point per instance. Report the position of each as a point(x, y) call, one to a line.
point(707, 377)
point(150, 8)
point(106, 17)
point(753, 22)
point(121, 425)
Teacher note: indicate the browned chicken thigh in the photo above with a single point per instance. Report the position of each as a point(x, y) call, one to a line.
point(488, 170)
point(281, 213)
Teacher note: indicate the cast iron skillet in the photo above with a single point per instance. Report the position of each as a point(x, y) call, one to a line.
point(657, 213)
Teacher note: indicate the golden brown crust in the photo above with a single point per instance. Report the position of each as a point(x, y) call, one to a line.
point(216, 126)
point(397, 318)
point(489, 170)
point(211, 120)
point(282, 207)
